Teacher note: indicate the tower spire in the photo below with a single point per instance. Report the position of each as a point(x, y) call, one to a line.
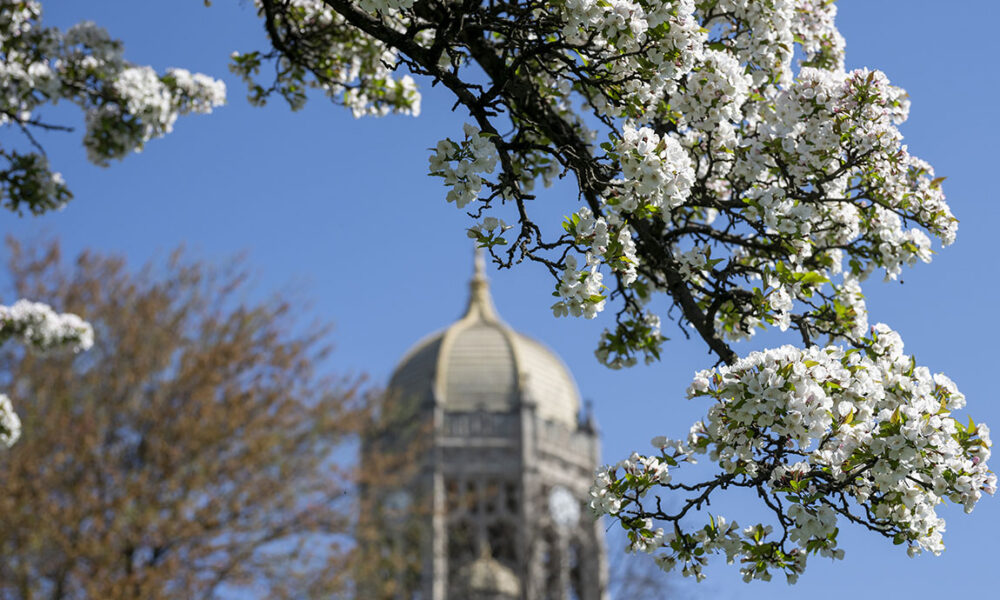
point(479, 267)
point(480, 300)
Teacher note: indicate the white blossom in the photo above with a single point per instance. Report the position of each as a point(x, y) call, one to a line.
point(10, 424)
point(462, 164)
point(38, 326)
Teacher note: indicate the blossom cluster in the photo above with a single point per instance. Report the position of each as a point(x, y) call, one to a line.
point(581, 290)
point(10, 423)
point(42, 329)
point(125, 105)
point(822, 44)
point(350, 67)
point(835, 138)
point(822, 429)
point(657, 172)
point(145, 107)
point(715, 92)
point(488, 232)
point(27, 179)
point(474, 156)
point(609, 240)
point(660, 42)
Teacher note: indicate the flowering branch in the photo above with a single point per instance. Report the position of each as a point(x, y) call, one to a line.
point(863, 434)
point(125, 105)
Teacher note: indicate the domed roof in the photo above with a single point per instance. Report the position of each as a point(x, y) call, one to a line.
point(486, 577)
point(479, 363)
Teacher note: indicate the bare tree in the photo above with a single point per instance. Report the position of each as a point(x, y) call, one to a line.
point(196, 450)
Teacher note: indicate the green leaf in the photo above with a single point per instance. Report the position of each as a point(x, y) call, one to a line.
point(812, 277)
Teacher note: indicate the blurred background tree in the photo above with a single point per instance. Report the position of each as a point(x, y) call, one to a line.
point(196, 451)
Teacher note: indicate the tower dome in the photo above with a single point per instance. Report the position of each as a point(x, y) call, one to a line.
point(480, 364)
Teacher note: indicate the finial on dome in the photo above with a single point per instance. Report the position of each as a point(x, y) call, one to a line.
point(480, 265)
point(480, 301)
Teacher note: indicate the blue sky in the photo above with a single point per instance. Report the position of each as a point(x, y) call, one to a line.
point(341, 212)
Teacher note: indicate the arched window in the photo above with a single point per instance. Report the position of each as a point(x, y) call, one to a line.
point(552, 567)
point(502, 535)
point(461, 543)
point(511, 496)
point(576, 570)
point(492, 500)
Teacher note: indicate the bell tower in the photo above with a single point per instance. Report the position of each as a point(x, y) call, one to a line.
point(495, 463)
